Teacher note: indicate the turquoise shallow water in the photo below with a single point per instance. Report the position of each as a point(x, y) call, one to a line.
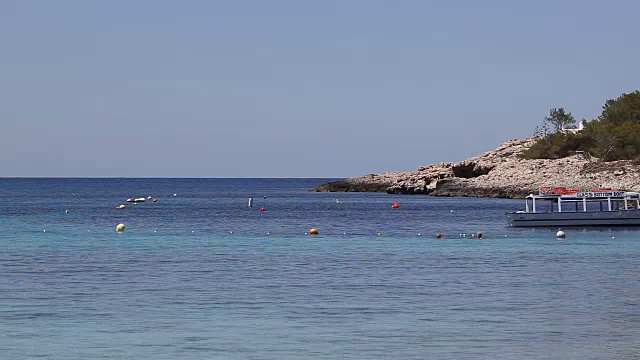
point(201, 275)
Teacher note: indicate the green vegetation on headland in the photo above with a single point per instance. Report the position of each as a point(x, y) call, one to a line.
point(614, 135)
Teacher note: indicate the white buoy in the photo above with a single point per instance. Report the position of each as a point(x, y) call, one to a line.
point(120, 228)
point(560, 234)
point(66, 211)
point(250, 202)
point(175, 194)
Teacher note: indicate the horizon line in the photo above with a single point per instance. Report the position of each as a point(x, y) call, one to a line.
point(169, 177)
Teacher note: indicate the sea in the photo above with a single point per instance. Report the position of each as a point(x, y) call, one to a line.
point(198, 274)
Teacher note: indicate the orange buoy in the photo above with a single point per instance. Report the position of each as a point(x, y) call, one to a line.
point(263, 209)
point(395, 205)
point(314, 231)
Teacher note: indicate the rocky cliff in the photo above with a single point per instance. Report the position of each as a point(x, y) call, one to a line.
point(499, 173)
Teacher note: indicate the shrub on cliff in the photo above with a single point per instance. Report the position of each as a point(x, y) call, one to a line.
point(614, 135)
point(613, 142)
point(556, 146)
point(626, 108)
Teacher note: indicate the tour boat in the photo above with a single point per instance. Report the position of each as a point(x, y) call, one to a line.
point(566, 207)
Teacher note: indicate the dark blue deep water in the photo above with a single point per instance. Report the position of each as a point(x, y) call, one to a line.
point(200, 275)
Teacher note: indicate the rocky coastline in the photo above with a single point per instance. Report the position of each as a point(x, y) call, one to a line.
point(499, 173)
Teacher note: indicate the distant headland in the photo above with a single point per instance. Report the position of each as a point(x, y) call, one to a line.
point(602, 153)
point(499, 173)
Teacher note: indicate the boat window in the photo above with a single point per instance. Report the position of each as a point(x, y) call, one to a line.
point(593, 206)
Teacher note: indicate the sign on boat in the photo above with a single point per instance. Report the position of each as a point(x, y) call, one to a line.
point(599, 194)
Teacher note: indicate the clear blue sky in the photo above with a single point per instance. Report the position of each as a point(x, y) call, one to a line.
point(295, 88)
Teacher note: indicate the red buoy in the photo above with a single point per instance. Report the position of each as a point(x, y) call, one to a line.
point(395, 205)
point(263, 209)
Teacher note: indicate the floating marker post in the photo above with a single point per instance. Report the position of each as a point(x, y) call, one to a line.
point(250, 202)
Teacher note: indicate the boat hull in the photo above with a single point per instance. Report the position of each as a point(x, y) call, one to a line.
point(564, 219)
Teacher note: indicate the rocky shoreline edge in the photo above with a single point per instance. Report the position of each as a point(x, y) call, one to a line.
point(499, 173)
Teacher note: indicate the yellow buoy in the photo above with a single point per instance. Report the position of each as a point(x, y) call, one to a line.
point(120, 228)
point(121, 206)
point(314, 231)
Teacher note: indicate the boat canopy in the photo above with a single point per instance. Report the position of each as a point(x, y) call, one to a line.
point(607, 200)
point(587, 195)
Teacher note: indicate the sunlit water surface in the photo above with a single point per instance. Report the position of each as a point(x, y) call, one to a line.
point(201, 275)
